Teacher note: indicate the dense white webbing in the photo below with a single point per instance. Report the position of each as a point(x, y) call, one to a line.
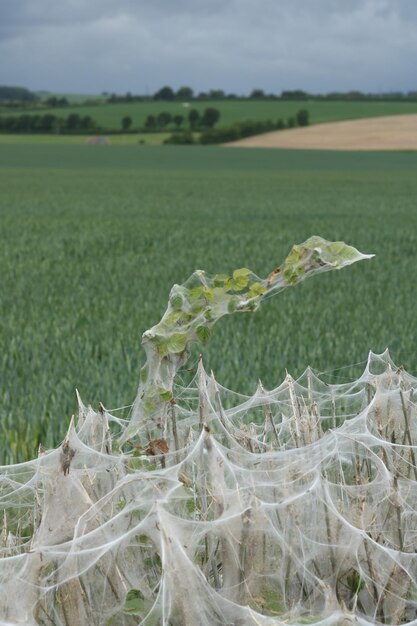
point(294, 506)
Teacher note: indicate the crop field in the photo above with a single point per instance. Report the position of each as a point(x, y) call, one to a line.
point(145, 138)
point(93, 237)
point(72, 98)
point(109, 116)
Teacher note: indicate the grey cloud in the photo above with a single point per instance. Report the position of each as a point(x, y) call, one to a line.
point(232, 44)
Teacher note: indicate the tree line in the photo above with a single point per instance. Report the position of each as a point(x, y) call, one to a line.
point(239, 130)
point(73, 123)
point(196, 120)
point(17, 94)
point(183, 126)
point(47, 123)
point(187, 94)
point(22, 97)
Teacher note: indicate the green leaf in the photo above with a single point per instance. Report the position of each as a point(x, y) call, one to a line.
point(256, 289)
point(176, 301)
point(161, 345)
point(149, 406)
point(208, 314)
point(228, 284)
point(339, 254)
point(240, 279)
point(191, 506)
point(208, 294)
point(152, 391)
point(165, 394)
point(335, 253)
point(355, 581)
point(292, 274)
point(177, 342)
point(296, 255)
point(220, 279)
point(195, 293)
point(232, 304)
point(240, 283)
point(172, 318)
point(197, 308)
point(203, 334)
point(135, 603)
point(241, 273)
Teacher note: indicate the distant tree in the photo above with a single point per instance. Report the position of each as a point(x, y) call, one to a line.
point(73, 121)
point(47, 122)
point(53, 102)
point(291, 122)
point(35, 123)
point(257, 94)
point(18, 94)
point(23, 123)
point(193, 118)
point(210, 117)
point(297, 94)
point(178, 120)
point(150, 122)
point(59, 124)
point(302, 117)
point(166, 93)
point(10, 124)
point(280, 124)
point(185, 93)
point(126, 122)
point(87, 123)
point(185, 137)
point(217, 94)
point(163, 119)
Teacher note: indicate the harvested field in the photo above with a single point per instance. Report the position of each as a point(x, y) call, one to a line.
point(394, 132)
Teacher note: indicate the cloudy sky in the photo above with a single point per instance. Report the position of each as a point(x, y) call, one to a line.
point(90, 46)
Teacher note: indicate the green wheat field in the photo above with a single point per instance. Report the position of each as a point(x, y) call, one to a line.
point(110, 115)
point(93, 237)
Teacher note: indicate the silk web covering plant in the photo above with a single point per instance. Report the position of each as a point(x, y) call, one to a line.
point(296, 505)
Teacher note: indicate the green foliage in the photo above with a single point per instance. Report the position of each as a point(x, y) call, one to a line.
point(126, 122)
point(136, 603)
point(231, 111)
point(210, 117)
point(193, 117)
point(355, 582)
point(165, 93)
point(92, 240)
point(185, 138)
point(168, 343)
point(302, 117)
point(20, 94)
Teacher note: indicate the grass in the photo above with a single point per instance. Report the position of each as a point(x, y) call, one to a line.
point(110, 115)
point(72, 98)
point(144, 138)
point(93, 238)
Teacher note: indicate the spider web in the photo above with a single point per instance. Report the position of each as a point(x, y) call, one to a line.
point(210, 508)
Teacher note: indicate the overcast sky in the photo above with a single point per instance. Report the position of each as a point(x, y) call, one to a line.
point(90, 46)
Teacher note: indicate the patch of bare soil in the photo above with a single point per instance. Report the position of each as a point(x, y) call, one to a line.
point(394, 132)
